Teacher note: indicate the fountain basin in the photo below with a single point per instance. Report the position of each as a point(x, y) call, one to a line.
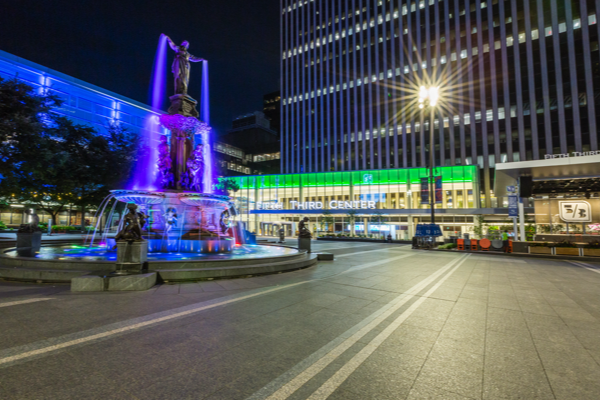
point(62, 263)
point(206, 246)
point(179, 221)
point(141, 198)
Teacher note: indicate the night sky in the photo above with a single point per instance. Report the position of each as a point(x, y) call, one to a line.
point(112, 43)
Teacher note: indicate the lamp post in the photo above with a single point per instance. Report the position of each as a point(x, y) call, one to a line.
point(428, 99)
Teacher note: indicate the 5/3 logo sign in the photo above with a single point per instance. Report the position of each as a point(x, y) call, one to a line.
point(575, 211)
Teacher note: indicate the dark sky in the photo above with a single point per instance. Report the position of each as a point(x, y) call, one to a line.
point(111, 44)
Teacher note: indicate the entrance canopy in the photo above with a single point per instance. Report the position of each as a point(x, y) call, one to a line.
point(563, 173)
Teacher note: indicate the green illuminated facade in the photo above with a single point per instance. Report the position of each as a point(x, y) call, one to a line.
point(268, 202)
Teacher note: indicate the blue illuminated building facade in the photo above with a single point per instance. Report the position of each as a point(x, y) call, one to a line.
point(85, 104)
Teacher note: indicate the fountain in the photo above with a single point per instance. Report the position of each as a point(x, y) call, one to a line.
point(183, 229)
point(184, 215)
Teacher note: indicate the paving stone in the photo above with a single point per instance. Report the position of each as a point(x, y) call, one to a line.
point(500, 330)
point(423, 391)
point(87, 284)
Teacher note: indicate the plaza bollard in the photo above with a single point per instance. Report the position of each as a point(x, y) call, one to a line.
point(474, 244)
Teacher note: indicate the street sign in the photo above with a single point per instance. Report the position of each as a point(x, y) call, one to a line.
point(513, 206)
point(428, 230)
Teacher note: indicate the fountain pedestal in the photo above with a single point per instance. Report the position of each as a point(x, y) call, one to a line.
point(183, 129)
point(304, 244)
point(183, 104)
point(131, 256)
point(28, 243)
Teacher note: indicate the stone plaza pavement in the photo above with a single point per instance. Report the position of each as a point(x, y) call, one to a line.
point(382, 321)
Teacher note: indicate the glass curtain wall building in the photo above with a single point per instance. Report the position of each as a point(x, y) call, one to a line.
point(84, 104)
point(518, 80)
point(268, 202)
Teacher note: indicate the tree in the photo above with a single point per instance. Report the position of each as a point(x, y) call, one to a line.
point(23, 118)
point(377, 218)
point(352, 216)
point(227, 185)
point(478, 226)
point(57, 163)
point(326, 219)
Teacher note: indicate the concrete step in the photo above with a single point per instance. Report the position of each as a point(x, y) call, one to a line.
point(39, 275)
point(185, 264)
point(178, 275)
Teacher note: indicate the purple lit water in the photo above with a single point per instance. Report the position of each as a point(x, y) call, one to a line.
point(207, 179)
point(102, 253)
point(159, 75)
point(145, 171)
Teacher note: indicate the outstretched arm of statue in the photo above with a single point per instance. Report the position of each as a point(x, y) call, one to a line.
point(171, 43)
point(195, 59)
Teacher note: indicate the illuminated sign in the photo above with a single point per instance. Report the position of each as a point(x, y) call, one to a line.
point(575, 211)
point(573, 154)
point(318, 205)
point(269, 206)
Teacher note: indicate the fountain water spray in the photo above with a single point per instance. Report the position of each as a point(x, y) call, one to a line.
point(176, 172)
point(146, 171)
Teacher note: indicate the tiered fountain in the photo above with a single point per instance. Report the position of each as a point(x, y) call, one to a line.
point(183, 214)
point(172, 208)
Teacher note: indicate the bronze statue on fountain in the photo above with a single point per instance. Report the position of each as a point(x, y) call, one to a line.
point(186, 216)
point(181, 102)
point(133, 224)
point(181, 165)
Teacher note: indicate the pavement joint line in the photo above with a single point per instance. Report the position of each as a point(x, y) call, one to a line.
point(347, 369)
point(359, 252)
point(14, 354)
point(586, 266)
point(289, 382)
point(344, 248)
point(375, 263)
point(16, 303)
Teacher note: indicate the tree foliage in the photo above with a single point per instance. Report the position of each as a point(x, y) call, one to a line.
point(48, 161)
point(352, 216)
point(377, 218)
point(227, 185)
point(326, 220)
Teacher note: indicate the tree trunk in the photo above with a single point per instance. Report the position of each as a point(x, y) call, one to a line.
point(53, 215)
point(83, 219)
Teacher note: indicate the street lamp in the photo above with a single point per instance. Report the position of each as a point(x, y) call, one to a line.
point(428, 99)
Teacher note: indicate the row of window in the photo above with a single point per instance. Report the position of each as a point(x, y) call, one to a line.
point(423, 65)
point(489, 116)
point(229, 150)
point(365, 25)
point(413, 8)
point(238, 168)
point(267, 157)
point(562, 27)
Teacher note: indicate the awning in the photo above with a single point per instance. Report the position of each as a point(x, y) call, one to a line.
point(552, 169)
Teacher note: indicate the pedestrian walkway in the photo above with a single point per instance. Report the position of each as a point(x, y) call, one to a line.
point(382, 321)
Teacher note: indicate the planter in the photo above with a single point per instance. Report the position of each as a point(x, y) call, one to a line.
point(566, 251)
point(591, 252)
point(540, 250)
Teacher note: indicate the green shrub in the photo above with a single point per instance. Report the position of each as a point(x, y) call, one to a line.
point(594, 244)
point(2, 225)
point(564, 243)
point(65, 228)
point(447, 246)
point(540, 244)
